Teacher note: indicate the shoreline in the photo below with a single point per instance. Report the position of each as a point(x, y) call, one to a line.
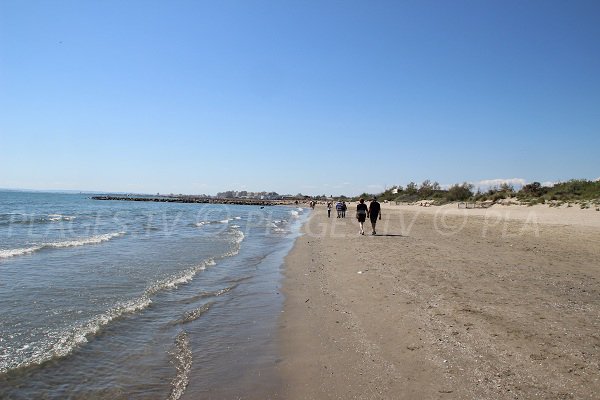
point(442, 306)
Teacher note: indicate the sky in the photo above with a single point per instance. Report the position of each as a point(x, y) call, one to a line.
point(317, 97)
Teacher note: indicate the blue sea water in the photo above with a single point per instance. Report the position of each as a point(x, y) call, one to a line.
point(139, 300)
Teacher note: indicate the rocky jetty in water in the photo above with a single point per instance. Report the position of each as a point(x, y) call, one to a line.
point(195, 199)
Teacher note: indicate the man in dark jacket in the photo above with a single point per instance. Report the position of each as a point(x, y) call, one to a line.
point(374, 212)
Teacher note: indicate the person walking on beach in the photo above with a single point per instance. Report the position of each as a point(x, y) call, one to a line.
point(373, 213)
point(329, 209)
point(344, 208)
point(338, 207)
point(361, 215)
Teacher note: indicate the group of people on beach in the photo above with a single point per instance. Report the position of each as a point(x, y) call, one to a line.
point(340, 207)
point(372, 211)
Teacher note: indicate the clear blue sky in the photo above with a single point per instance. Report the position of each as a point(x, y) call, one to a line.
point(335, 97)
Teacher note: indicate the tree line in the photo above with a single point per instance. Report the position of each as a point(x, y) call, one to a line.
point(572, 190)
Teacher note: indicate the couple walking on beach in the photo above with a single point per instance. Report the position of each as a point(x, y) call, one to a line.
point(373, 211)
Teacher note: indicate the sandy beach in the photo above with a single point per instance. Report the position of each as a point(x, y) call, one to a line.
point(502, 303)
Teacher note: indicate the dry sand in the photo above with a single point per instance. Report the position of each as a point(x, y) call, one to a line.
point(444, 305)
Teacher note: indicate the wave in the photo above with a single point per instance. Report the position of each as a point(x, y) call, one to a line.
point(31, 219)
point(82, 242)
point(222, 221)
point(63, 343)
point(184, 277)
point(58, 245)
point(214, 293)
point(194, 314)
point(18, 252)
point(60, 217)
point(279, 226)
point(238, 237)
point(182, 359)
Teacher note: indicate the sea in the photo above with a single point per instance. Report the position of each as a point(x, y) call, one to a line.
point(140, 300)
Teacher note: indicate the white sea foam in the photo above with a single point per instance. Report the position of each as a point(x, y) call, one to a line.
point(195, 314)
point(238, 237)
point(32, 219)
point(81, 242)
point(182, 359)
point(173, 282)
point(18, 252)
point(57, 245)
point(223, 221)
point(60, 217)
point(294, 213)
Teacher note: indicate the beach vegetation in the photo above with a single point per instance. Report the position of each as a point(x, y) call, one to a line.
point(407, 198)
point(429, 189)
point(460, 192)
point(561, 193)
point(506, 188)
point(534, 189)
point(574, 189)
point(364, 195)
point(390, 194)
point(411, 189)
point(495, 193)
point(426, 189)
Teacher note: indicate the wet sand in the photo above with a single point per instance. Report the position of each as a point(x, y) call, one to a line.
point(443, 305)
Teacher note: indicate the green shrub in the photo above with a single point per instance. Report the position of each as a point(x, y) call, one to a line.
point(499, 196)
point(407, 198)
point(534, 189)
point(460, 192)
